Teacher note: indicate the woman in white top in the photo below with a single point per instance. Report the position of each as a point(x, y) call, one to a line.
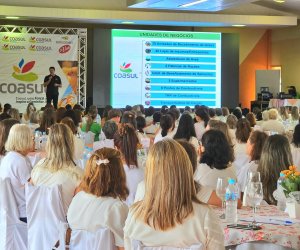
point(29, 110)
point(216, 158)
point(231, 123)
point(295, 147)
point(127, 143)
point(109, 129)
point(58, 168)
point(186, 130)
point(273, 124)
point(254, 148)
point(170, 207)
point(16, 166)
point(167, 126)
point(100, 200)
point(202, 118)
point(242, 133)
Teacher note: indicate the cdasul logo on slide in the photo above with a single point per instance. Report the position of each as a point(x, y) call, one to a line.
point(21, 72)
point(126, 72)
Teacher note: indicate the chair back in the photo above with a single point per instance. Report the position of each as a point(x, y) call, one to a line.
point(13, 232)
point(44, 213)
point(137, 245)
point(99, 240)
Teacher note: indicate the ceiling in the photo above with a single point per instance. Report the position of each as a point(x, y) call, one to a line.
point(209, 13)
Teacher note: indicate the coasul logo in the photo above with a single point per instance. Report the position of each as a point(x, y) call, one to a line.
point(34, 39)
point(126, 72)
point(13, 39)
point(40, 48)
point(5, 47)
point(21, 72)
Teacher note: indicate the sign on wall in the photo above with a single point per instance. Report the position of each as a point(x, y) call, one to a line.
point(25, 61)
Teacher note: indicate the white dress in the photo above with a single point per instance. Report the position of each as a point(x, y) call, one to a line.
point(207, 176)
point(89, 212)
point(242, 175)
point(199, 129)
point(296, 156)
point(69, 177)
point(241, 158)
point(203, 226)
point(134, 175)
point(17, 168)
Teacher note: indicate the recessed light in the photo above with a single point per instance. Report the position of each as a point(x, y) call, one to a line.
point(279, 1)
point(191, 3)
point(127, 22)
point(238, 25)
point(12, 17)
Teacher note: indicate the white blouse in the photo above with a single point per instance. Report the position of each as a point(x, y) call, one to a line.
point(89, 212)
point(203, 226)
point(199, 129)
point(69, 177)
point(207, 176)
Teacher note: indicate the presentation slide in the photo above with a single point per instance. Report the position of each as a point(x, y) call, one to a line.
point(156, 68)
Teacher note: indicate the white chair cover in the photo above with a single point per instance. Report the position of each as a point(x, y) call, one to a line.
point(99, 240)
point(44, 213)
point(137, 245)
point(261, 245)
point(13, 232)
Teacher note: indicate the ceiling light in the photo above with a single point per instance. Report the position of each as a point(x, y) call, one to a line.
point(238, 25)
point(127, 22)
point(279, 1)
point(12, 17)
point(191, 4)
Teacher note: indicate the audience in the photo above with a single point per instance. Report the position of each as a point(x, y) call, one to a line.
point(166, 128)
point(29, 110)
point(48, 119)
point(109, 129)
point(273, 125)
point(91, 123)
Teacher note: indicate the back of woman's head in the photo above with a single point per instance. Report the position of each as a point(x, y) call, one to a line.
point(296, 136)
point(127, 142)
point(219, 112)
point(14, 113)
point(212, 112)
point(202, 113)
point(218, 153)
point(140, 123)
point(243, 130)
point(19, 139)
point(59, 147)
point(257, 139)
point(129, 117)
point(48, 119)
point(91, 116)
point(275, 157)
point(109, 129)
point(295, 113)
point(251, 119)
point(104, 175)
point(221, 126)
point(69, 122)
point(238, 113)
point(149, 111)
point(191, 151)
point(265, 115)
point(185, 128)
point(273, 114)
point(169, 187)
point(5, 126)
point(166, 123)
point(107, 108)
point(283, 113)
point(156, 117)
point(225, 111)
point(231, 121)
point(60, 114)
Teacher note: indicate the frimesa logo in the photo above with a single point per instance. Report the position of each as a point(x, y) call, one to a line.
point(21, 72)
point(126, 68)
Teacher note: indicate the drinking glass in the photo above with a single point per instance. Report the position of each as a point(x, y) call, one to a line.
point(222, 184)
point(254, 198)
point(253, 176)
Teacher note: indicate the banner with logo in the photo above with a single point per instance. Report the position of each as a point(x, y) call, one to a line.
point(25, 61)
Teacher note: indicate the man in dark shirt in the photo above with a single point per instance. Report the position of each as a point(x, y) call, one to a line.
point(52, 82)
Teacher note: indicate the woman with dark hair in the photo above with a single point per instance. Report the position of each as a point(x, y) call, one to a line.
point(216, 158)
point(254, 148)
point(186, 130)
point(242, 133)
point(251, 119)
point(127, 143)
point(149, 115)
point(48, 119)
point(238, 113)
point(221, 126)
point(60, 114)
point(202, 118)
point(29, 110)
point(129, 117)
point(91, 124)
point(166, 128)
point(212, 113)
point(154, 127)
point(295, 146)
point(275, 157)
point(107, 108)
point(141, 124)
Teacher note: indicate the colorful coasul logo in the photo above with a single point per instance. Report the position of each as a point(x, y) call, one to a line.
point(21, 71)
point(126, 68)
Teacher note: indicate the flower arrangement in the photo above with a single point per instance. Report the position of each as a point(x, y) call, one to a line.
point(291, 180)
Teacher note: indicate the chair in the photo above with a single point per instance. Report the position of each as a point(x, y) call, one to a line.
point(44, 213)
point(81, 239)
point(13, 232)
point(137, 245)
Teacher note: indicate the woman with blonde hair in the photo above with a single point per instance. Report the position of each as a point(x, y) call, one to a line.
point(16, 166)
point(127, 142)
point(276, 156)
point(170, 207)
point(59, 168)
point(102, 192)
point(273, 124)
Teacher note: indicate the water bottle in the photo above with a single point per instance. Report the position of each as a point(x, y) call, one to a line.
point(37, 140)
point(231, 198)
point(281, 202)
